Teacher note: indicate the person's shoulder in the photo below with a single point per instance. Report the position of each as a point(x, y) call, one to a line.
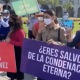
point(20, 31)
point(62, 28)
point(43, 29)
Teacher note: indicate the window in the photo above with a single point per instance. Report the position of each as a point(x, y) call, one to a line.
point(71, 1)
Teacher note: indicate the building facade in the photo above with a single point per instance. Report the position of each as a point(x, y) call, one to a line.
point(75, 11)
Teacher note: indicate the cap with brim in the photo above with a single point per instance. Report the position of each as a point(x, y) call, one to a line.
point(5, 12)
point(42, 10)
point(50, 12)
point(41, 14)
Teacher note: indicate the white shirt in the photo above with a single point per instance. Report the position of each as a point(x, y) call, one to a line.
point(4, 23)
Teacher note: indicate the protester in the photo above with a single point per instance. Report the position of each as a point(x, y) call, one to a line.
point(4, 26)
point(6, 14)
point(75, 42)
point(15, 37)
point(39, 24)
point(32, 20)
point(52, 33)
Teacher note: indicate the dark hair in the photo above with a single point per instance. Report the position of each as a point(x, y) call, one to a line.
point(50, 12)
point(16, 23)
point(56, 20)
point(12, 12)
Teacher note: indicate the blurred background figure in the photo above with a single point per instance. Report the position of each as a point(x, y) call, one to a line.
point(66, 22)
point(4, 25)
point(73, 42)
point(6, 15)
point(30, 23)
point(38, 25)
point(65, 16)
point(64, 19)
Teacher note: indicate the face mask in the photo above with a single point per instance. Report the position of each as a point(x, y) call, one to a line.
point(40, 18)
point(65, 17)
point(47, 21)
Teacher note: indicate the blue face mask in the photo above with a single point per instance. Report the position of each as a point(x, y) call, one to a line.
point(65, 17)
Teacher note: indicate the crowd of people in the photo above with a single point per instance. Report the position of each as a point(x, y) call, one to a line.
point(42, 26)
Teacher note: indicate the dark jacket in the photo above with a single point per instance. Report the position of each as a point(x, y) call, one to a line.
point(4, 27)
point(75, 41)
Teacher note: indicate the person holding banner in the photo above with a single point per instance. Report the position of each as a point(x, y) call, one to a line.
point(15, 37)
point(31, 21)
point(52, 33)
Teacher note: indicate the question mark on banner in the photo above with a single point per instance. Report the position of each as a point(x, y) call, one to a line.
point(69, 74)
